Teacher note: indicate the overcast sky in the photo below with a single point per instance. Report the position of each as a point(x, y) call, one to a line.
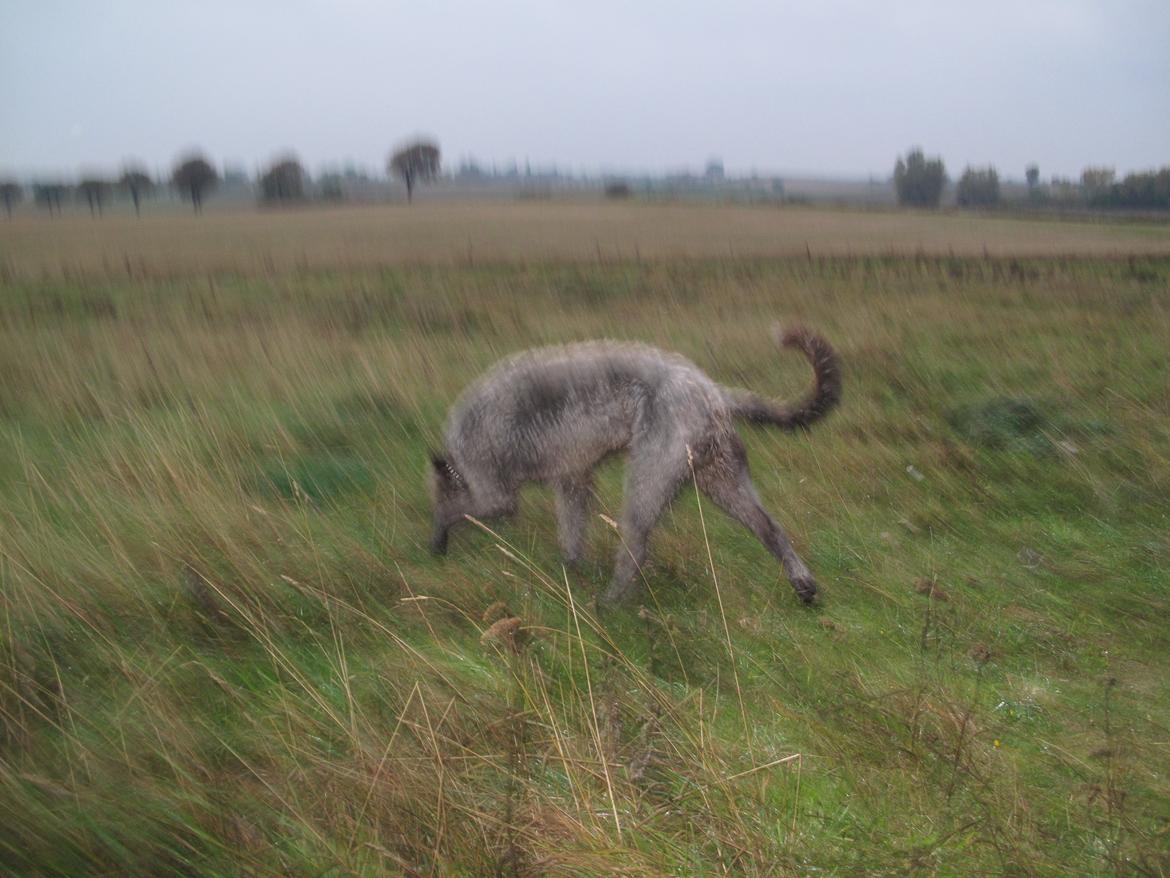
point(837, 87)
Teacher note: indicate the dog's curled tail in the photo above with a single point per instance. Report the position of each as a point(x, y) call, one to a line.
point(822, 399)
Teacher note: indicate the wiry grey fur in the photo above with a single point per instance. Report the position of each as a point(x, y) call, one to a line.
point(552, 415)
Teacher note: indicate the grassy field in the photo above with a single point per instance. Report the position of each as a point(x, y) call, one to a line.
point(167, 243)
point(226, 650)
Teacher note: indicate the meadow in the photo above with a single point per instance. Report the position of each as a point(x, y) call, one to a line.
point(227, 651)
point(236, 238)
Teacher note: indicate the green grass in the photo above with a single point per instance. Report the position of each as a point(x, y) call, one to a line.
point(227, 651)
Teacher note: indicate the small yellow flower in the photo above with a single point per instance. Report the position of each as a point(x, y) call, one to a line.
point(996, 742)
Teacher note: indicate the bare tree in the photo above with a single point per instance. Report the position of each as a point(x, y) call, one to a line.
point(50, 195)
point(11, 193)
point(94, 191)
point(194, 176)
point(137, 182)
point(284, 181)
point(417, 162)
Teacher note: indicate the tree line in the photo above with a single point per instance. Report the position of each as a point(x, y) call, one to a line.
point(194, 177)
point(919, 182)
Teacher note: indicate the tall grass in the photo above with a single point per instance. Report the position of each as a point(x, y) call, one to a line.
point(226, 650)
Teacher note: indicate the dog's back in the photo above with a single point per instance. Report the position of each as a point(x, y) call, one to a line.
point(552, 412)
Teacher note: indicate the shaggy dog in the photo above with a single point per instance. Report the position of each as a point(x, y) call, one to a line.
point(553, 414)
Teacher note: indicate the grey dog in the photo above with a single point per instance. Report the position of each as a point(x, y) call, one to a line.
point(553, 414)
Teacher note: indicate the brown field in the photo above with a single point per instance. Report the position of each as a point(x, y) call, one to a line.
point(250, 241)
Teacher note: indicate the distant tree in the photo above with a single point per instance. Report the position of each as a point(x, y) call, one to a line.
point(50, 195)
point(919, 180)
point(978, 187)
point(137, 182)
point(331, 188)
point(11, 193)
point(94, 191)
point(617, 189)
point(1149, 190)
point(284, 181)
point(193, 176)
point(1156, 185)
point(1096, 181)
point(416, 162)
point(1062, 190)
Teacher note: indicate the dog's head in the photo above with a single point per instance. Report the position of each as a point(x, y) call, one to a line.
point(451, 497)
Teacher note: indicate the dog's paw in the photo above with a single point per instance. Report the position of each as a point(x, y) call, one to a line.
point(807, 590)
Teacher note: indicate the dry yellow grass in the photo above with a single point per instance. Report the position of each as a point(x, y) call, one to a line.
point(253, 242)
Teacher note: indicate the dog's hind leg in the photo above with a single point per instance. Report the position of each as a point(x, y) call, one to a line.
point(652, 480)
point(572, 498)
point(726, 481)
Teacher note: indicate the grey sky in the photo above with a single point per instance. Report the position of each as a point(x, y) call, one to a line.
point(837, 87)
